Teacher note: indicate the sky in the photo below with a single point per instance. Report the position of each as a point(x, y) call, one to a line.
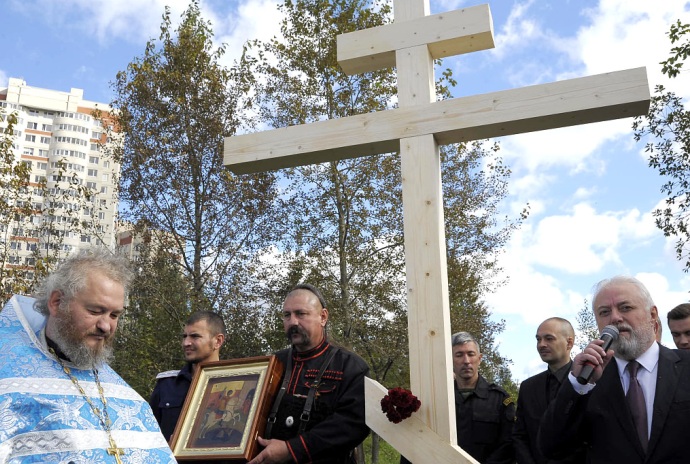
point(590, 190)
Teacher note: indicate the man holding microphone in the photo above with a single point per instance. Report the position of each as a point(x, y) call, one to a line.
point(634, 409)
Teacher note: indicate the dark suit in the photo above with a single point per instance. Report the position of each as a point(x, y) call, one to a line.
point(533, 400)
point(602, 418)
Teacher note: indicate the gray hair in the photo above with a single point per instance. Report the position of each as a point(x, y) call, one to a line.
point(621, 279)
point(70, 276)
point(460, 338)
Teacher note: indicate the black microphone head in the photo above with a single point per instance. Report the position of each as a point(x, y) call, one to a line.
point(611, 331)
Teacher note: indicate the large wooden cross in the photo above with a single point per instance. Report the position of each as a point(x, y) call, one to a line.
point(416, 129)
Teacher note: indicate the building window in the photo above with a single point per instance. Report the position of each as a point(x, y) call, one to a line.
point(86, 239)
point(105, 177)
point(42, 152)
point(32, 125)
point(30, 138)
point(42, 165)
point(101, 215)
point(28, 151)
point(106, 164)
point(45, 139)
point(93, 159)
point(92, 172)
point(91, 185)
point(104, 189)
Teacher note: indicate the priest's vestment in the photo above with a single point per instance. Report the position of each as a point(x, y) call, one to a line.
point(45, 418)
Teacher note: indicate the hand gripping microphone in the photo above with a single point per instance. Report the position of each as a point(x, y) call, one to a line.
point(609, 335)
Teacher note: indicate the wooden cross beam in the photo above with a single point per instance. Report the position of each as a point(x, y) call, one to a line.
point(416, 129)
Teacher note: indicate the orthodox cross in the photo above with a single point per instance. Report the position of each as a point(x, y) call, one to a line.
point(416, 129)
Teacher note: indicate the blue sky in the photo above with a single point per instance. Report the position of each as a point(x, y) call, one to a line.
point(589, 187)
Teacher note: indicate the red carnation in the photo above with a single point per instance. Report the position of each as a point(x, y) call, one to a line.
point(399, 404)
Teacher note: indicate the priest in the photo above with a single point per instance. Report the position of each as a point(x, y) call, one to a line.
point(59, 399)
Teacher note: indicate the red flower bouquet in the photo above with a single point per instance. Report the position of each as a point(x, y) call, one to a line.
point(399, 404)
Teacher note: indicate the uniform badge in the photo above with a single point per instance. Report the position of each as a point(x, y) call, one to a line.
point(289, 421)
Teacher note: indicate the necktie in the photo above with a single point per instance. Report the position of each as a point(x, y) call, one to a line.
point(636, 403)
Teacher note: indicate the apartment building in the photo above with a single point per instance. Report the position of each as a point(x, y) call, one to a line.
point(72, 179)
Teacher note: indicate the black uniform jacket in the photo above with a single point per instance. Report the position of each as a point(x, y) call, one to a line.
point(531, 405)
point(168, 397)
point(337, 423)
point(602, 418)
point(484, 424)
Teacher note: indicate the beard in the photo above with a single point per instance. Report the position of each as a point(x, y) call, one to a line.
point(72, 343)
point(632, 347)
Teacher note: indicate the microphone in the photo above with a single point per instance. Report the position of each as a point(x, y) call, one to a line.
point(609, 335)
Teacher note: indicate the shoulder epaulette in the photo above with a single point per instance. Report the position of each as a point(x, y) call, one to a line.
point(508, 400)
point(166, 374)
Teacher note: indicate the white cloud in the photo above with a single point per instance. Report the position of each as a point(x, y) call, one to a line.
point(254, 19)
point(628, 33)
point(105, 20)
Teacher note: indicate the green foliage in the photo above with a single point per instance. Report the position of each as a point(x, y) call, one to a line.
point(15, 208)
point(386, 453)
point(36, 218)
point(148, 340)
point(666, 132)
point(348, 235)
point(672, 66)
point(175, 105)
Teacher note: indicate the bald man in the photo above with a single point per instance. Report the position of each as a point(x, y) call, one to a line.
point(555, 337)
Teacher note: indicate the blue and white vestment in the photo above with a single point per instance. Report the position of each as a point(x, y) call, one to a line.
point(45, 419)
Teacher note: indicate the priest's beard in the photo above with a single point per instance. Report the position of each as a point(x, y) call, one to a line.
point(639, 341)
point(72, 343)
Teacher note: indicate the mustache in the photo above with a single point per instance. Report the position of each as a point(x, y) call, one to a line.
point(296, 330)
point(623, 326)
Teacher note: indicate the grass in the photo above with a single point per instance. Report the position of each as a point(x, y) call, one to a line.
point(387, 454)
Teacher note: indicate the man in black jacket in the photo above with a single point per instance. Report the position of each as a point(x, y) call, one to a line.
point(555, 338)
point(635, 409)
point(318, 416)
point(484, 412)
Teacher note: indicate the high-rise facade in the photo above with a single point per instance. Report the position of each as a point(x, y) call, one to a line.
point(72, 185)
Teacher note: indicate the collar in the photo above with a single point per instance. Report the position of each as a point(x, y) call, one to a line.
point(649, 359)
point(562, 372)
point(481, 389)
point(315, 352)
point(186, 372)
point(51, 344)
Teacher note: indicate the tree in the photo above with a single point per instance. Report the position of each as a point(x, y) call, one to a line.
point(148, 336)
point(667, 127)
point(174, 106)
point(15, 208)
point(587, 329)
point(38, 213)
point(347, 237)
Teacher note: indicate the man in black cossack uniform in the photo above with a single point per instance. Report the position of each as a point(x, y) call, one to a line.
point(318, 414)
point(484, 412)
